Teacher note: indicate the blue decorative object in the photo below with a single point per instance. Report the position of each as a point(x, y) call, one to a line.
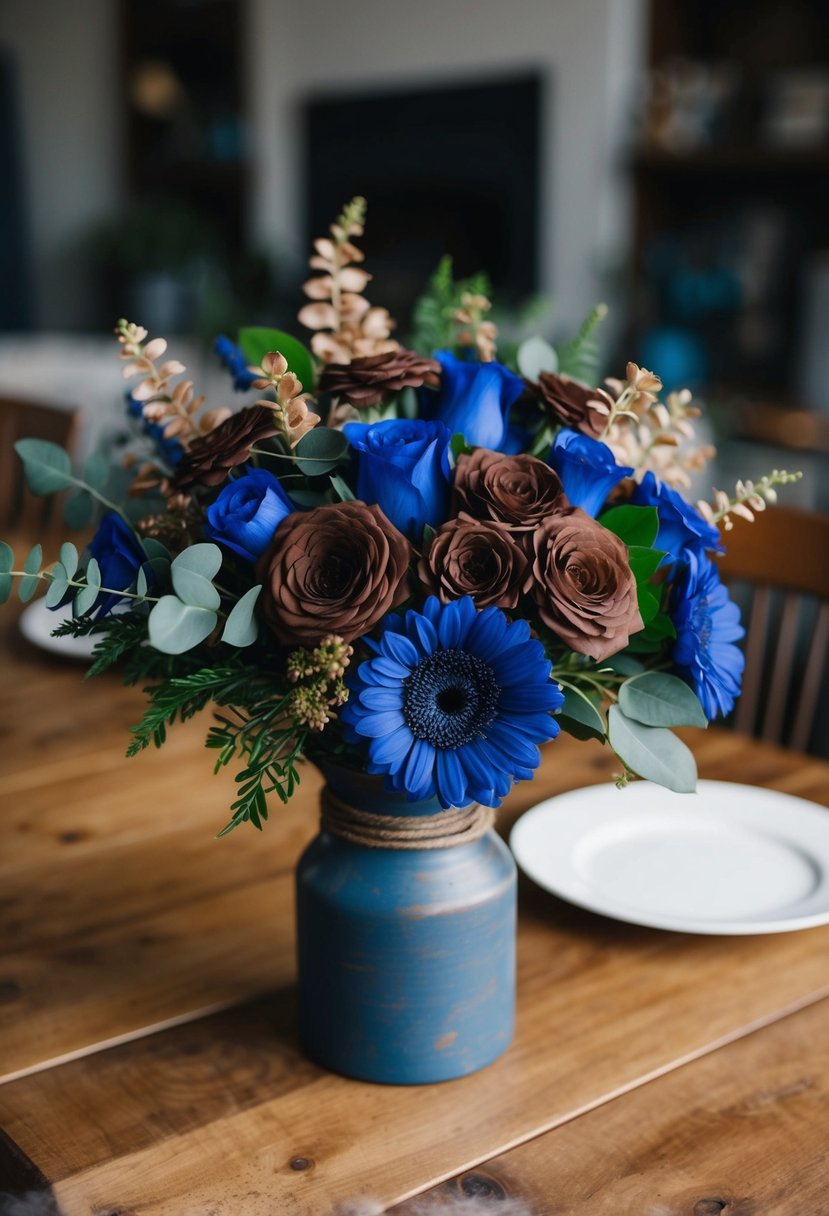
point(406, 955)
point(247, 512)
point(474, 399)
point(707, 629)
point(587, 468)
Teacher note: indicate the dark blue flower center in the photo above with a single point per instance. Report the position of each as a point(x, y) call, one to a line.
point(450, 698)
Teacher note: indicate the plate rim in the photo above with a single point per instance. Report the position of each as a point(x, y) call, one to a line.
point(670, 923)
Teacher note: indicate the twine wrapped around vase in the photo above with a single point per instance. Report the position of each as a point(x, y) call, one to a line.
point(445, 830)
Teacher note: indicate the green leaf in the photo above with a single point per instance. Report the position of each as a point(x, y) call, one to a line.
point(258, 341)
point(624, 664)
point(648, 602)
point(85, 600)
point(6, 582)
point(580, 717)
point(644, 562)
point(580, 357)
point(28, 586)
point(6, 557)
point(175, 627)
point(320, 450)
point(535, 356)
point(69, 558)
point(204, 559)
point(78, 510)
point(659, 699)
point(96, 470)
point(47, 467)
point(634, 525)
point(194, 589)
point(240, 627)
point(93, 574)
point(341, 489)
point(141, 582)
point(652, 752)
point(154, 548)
point(58, 585)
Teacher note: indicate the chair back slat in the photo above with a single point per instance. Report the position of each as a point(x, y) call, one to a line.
point(812, 680)
point(781, 669)
point(783, 556)
point(756, 635)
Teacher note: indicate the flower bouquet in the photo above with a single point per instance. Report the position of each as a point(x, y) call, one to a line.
point(410, 565)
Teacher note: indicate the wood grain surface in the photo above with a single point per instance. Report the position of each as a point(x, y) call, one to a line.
point(163, 960)
point(742, 1132)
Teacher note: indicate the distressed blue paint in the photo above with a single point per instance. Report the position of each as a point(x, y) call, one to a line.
point(406, 957)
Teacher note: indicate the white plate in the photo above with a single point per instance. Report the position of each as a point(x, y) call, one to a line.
point(729, 859)
point(36, 624)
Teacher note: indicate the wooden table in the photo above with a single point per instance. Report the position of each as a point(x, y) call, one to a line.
point(147, 1030)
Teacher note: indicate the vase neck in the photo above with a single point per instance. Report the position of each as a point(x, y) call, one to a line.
point(446, 829)
point(367, 792)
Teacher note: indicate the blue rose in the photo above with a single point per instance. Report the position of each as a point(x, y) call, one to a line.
point(681, 527)
point(246, 514)
point(474, 400)
point(403, 467)
point(120, 555)
point(587, 468)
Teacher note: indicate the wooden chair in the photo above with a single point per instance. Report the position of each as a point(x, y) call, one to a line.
point(20, 510)
point(782, 561)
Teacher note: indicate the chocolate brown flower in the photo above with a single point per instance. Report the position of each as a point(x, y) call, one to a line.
point(369, 379)
point(472, 557)
point(584, 587)
point(209, 459)
point(336, 569)
point(571, 403)
point(515, 492)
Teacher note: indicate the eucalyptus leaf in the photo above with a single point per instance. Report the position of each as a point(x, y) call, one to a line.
point(69, 558)
point(78, 510)
point(141, 583)
point(6, 557)
point(204, 559)
point(58, 585)
point(84, 600)
point(96, 470)
point(536, 356)
point(652, 752)
point(309, 498)
point(240, 627)
point(341, 489)
point(659, 699)
point(258, 341)
point(320, 450)
point(580, 717)
point(6, 582)
point(175, 627)
point(633, 525)
point(194, 589)
point(93, 574)
point(47, 466)
point(624, 664)
point(154, 548)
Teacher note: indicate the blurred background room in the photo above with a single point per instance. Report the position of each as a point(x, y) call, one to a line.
point(170, 161)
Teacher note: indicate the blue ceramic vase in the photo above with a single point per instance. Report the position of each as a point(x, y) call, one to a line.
point(406, 956)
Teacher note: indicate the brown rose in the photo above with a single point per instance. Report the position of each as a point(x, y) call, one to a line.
point(571, 403)
point(369, 379)
point(209, 458)
point(514, 492)
point(336, 569)
point(472, 557)
point(584, 586)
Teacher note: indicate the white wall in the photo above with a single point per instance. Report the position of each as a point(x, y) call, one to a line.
point(66, 68)
point(591, 49)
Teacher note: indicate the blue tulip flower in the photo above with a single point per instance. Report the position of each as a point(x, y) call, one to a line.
point(403, 467)
point(587, 468)
point(474, 400)
point(681, 527)
point(247, 512)
point(120, 555)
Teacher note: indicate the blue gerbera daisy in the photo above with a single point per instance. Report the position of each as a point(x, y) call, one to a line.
point(707, 626)
point(454, 703)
